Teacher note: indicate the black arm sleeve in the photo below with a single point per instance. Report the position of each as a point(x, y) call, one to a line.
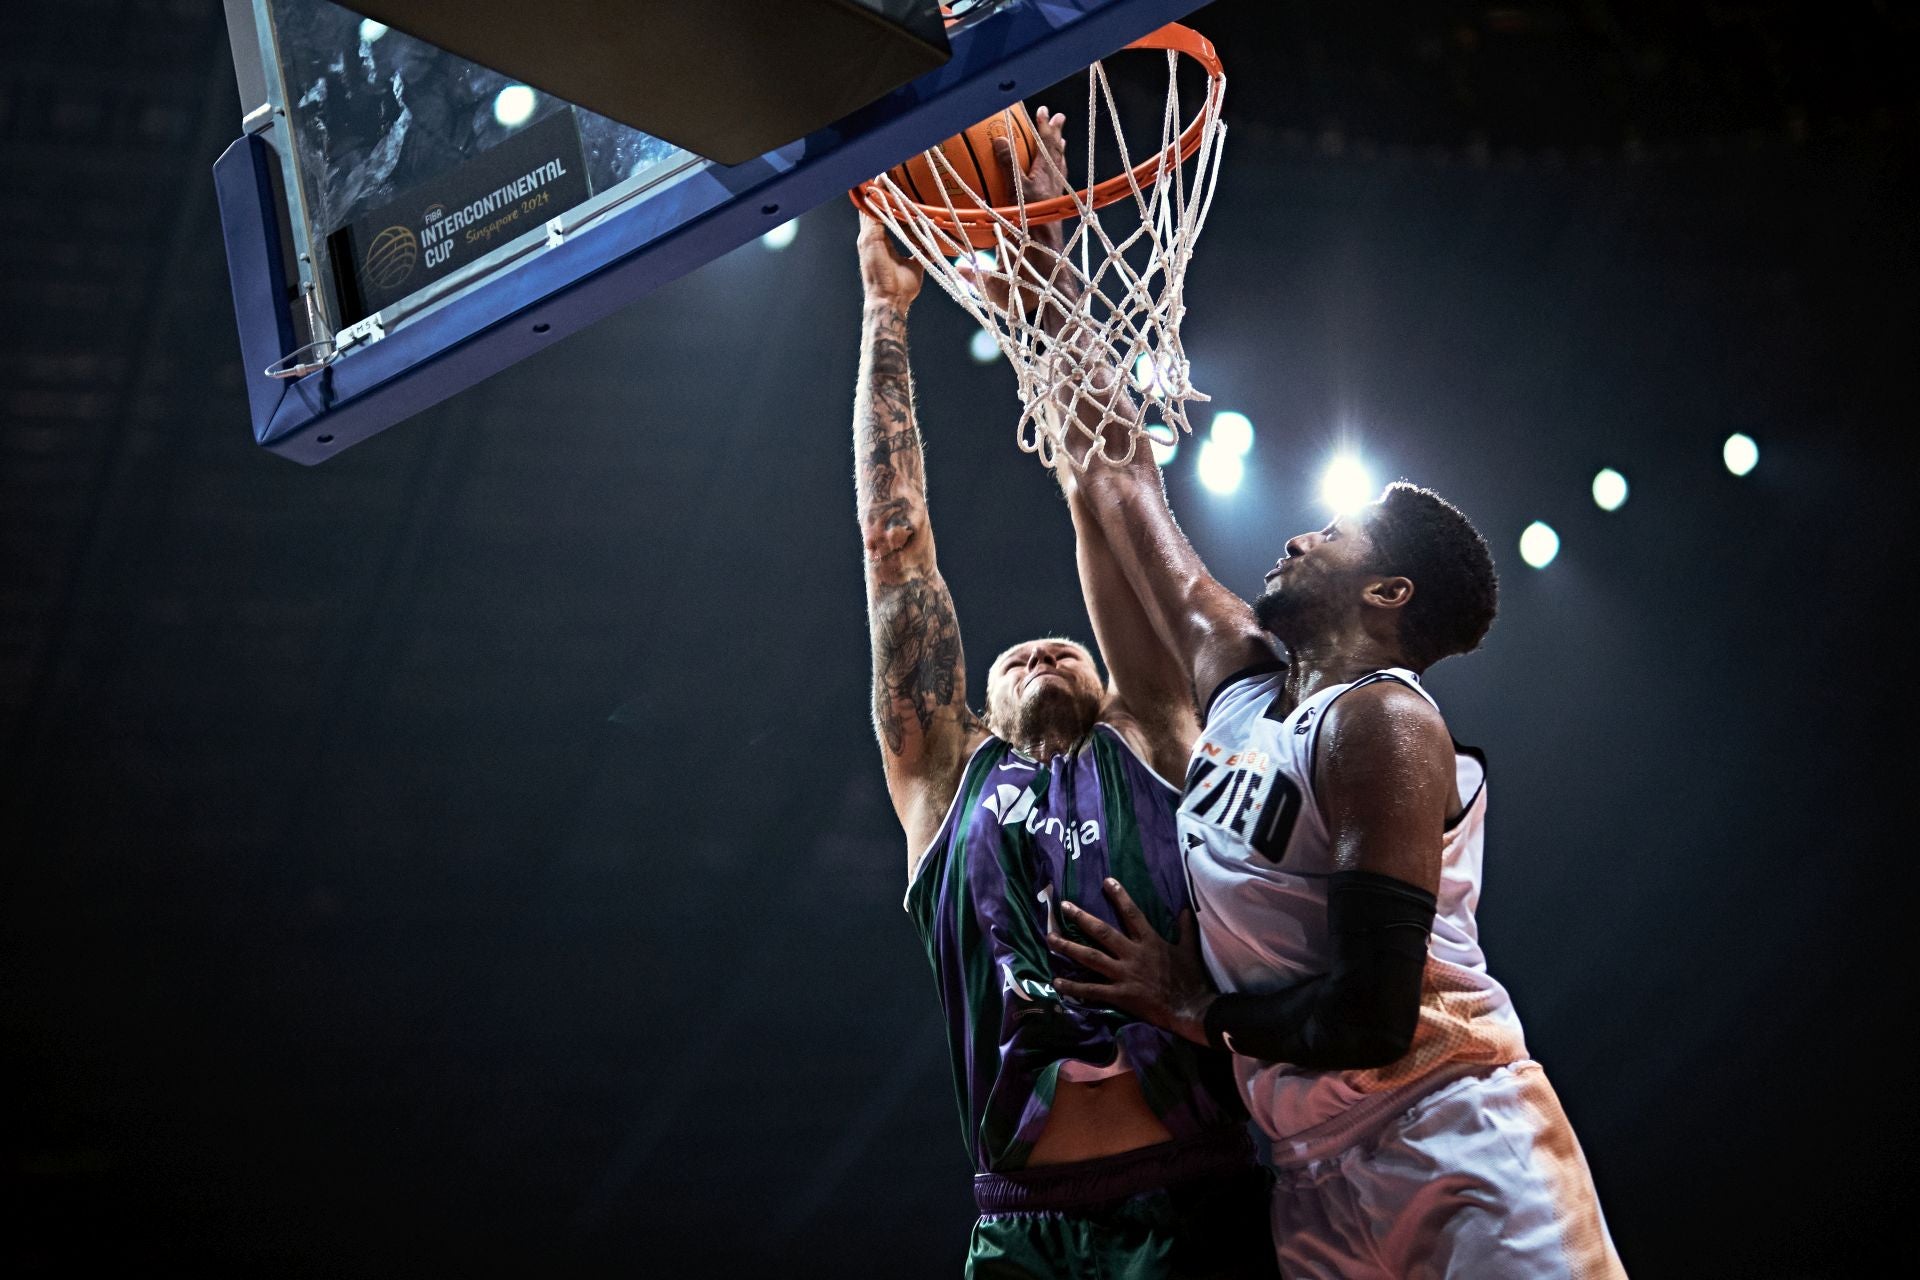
point(1363, 1013)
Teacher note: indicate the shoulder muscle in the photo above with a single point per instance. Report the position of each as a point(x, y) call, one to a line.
point(1384, 773)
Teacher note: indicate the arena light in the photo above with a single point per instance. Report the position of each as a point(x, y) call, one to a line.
point(1151, 375)
point(1539, 544)
point(1345, 485)
point(1740, 453)
point(982, 347)
point(1609, 489)
point(1233, 431)
point(1221, 469)
point(371, 30)
point(513, 105)
point(982, 261)
point(781, 236)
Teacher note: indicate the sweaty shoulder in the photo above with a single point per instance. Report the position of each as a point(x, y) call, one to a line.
point(1384, 770)
point(1381, 722)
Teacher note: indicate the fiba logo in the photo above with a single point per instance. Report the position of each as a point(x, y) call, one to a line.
point(392, 256)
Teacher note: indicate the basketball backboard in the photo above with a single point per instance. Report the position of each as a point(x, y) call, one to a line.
point(401, 222)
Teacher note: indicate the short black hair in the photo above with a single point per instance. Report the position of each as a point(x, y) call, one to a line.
point(1421, 536)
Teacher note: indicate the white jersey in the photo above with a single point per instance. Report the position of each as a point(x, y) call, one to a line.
point(1259, 858)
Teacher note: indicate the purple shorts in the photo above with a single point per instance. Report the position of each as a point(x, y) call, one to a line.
point(1086, 1184)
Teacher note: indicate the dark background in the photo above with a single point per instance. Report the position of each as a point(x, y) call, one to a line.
point(471, 855)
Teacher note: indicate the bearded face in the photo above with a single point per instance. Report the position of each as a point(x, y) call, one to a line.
point(1044, 691)
point(1319, 578)
point(1287, 615)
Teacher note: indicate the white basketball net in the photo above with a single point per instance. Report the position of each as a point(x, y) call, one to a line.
point(1071, 323)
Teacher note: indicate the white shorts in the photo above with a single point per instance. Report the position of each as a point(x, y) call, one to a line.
point(1481, 1179)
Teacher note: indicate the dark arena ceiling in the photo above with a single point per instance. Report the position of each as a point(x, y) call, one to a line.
point(471, 854)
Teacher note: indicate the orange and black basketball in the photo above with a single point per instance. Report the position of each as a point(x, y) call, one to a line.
point(972, 158)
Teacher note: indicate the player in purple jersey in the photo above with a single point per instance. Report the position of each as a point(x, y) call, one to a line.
point(1098, 1140)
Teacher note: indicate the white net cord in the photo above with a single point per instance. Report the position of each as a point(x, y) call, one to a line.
point(1093, 339)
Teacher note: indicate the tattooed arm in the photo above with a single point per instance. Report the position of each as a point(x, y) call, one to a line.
point(920, 708)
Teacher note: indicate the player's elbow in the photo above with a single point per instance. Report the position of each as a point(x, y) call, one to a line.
point(1362, 1047)
point(1361, 1024)
point(889, 535)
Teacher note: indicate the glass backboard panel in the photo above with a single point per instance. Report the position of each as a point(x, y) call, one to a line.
point(400, 222)
point(375, 115)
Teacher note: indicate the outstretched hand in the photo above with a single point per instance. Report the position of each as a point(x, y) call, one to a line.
point(886, 274)
point(1040, 265)
point(1162, 983)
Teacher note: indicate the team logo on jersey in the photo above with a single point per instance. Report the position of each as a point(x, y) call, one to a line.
point(1014, 806)
point(1009, 803)
point(1244, 793)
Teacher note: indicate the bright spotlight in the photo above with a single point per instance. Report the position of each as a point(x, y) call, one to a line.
point(371, 30)
point(1740, 453)
point(1221, 469)
point(982, 347)
point(1152, 374)
point(1164, 450)
point(983, 263)
point(512, 105)
point(1345, 485)
point(1539, 544)
point(1234, 431)
point(781, 236)
point(1609, 489)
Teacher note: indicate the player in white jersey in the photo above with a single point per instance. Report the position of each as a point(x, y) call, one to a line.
point(1333, 833)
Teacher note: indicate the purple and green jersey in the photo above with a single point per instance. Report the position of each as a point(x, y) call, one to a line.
point(1021, 838)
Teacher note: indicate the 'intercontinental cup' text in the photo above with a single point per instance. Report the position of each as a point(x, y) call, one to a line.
point(434, 236)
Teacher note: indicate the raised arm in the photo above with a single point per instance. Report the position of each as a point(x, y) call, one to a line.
point(1120, 511)
point(1151, 694)
point(920, 711)
point(1210, 631)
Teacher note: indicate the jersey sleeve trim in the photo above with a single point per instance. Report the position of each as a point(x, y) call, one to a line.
point(1394, 674)
point(940, 832)
point(1243, 674)
point(1466, 804)
point(1121, 738)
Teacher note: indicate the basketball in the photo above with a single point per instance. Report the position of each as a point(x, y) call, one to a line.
point(982, 180)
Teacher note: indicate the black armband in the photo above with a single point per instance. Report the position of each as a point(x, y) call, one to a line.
point(1363, 1012)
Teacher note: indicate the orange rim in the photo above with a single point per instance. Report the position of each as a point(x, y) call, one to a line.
point(1180, 39)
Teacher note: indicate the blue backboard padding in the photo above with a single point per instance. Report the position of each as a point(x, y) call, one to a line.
point(243, 184)
point(659, 237)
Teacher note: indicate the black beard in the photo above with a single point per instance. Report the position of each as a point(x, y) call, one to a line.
point(1283, 613)
point(1053, 715)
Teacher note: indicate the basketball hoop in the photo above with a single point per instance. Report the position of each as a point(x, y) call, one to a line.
point(1072, 320)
